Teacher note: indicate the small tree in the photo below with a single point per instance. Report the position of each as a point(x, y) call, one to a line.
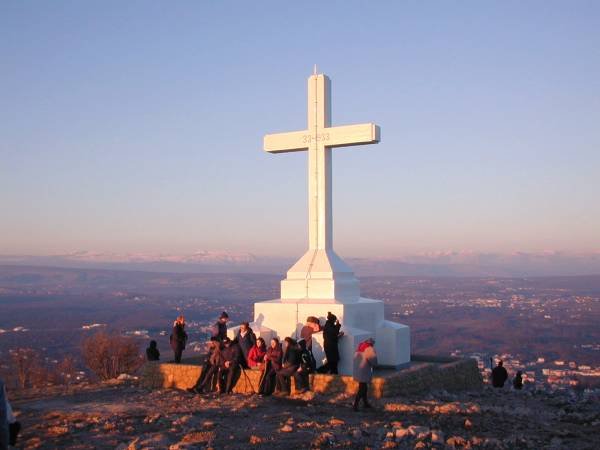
point(65, 371)
point(108, 355)
point(26, 365)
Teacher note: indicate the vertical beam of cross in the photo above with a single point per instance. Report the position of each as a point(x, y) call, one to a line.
point(319, 138)
point(319, 164)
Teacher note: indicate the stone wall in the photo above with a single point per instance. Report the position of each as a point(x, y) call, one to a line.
point(423, 374)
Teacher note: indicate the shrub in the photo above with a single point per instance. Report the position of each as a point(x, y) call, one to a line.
point(109, 355)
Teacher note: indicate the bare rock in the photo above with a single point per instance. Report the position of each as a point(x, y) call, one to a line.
point(336, 422)
point(402, 433)
point(437, 437)
point(256, 440)
point(457, 442)
point(323, 440)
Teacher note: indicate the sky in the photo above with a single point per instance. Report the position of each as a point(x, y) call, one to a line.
point(137, 126)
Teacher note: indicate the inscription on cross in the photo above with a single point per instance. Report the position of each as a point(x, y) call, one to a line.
point(318, 139)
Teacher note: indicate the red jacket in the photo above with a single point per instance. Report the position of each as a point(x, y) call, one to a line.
point(256, 356)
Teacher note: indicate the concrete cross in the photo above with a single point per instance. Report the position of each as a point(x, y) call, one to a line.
point(319, 138)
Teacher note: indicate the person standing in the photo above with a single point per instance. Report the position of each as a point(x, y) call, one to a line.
point(219, 329)
point(246, 339)
point(178, 338)
point(365, 359)
point(499, 375)
point(331, 335)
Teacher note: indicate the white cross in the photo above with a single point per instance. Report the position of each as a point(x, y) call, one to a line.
point(319, 138)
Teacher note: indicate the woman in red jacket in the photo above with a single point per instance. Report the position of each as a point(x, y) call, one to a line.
point(256, 355)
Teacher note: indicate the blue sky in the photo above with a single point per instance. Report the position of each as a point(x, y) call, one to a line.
point(137, 126)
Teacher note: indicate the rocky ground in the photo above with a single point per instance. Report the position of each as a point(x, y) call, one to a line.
point(126, 416)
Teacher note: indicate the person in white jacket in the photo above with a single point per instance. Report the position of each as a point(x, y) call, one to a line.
point(365, 359)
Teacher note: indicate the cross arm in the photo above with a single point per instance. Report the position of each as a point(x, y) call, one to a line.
point(287, 142)
point(364, 133)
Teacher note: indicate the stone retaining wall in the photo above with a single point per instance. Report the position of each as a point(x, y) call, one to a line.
point(422, 375)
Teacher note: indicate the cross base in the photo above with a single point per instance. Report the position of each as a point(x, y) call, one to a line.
point(360, 320)
point(320, 275)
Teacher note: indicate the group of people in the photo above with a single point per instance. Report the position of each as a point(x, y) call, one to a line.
point(500, 375)
point(279, 362)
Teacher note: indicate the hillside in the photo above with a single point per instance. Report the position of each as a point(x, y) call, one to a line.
point(126, 416)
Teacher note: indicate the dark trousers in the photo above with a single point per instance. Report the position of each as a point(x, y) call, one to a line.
point(178, 352)
point(284, 378)
point(329, 367)
point(13, 430)
point(207, 378)
point(228, 378)
point(361, 394)
point(267, 382)
point(301, 380)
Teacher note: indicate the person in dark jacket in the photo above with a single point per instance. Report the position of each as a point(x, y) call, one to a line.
point(518, 381)
point(365, 359)
point(219, 329)
point(499, 375)
point(152, 353)
point(272, 365)
point(289, 366)
point(331, 335)
point(178, 338)
point(305, 369)
point(229, 371)
point(246, 339)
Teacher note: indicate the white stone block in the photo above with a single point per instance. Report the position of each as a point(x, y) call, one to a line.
point(393, 344)
point(360, 320)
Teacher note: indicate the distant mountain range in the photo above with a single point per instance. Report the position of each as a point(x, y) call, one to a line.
point(425, 264)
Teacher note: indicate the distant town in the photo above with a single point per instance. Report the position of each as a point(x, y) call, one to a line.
point(545, 327)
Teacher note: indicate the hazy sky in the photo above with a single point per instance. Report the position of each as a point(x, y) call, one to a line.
point(137, 126)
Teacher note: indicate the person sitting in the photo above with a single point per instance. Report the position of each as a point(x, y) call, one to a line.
point(313, 325)
point(272, 365)
point(178, 338)
point(499, 375)
point(152, 353)
point(230, 366)
point(289, 366)
point(365, 359)
point(246, 339)
point(306, 367)
point(256, 355)
point(331, 335)
point(219, 329)
point(518, 381)
point(210, 369)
